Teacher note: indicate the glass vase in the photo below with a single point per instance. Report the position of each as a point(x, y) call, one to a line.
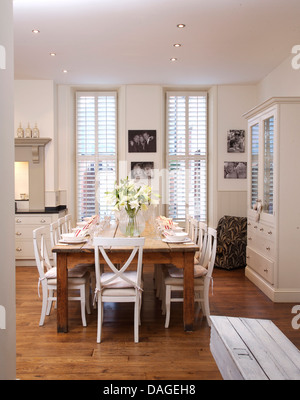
point(131, 225)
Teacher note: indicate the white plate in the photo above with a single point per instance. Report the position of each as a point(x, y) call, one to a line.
point(177, 241)
point(70, 241)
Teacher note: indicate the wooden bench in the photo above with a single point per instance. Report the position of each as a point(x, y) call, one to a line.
point(252, 349)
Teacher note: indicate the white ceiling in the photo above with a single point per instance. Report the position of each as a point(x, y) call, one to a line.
point(131, 41)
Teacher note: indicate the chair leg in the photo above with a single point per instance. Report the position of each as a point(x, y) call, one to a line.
point(44, 307)
point(49, 302)
point(168, 305)
point(136, 320)
point(87, 297)
point(206, 304)
point(140, 307)
point(82, 302)
point(198, 300)
point(93, 284)
point(99, 319)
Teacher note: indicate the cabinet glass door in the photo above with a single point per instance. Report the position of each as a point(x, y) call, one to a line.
point(254, 163)
point(268, 165)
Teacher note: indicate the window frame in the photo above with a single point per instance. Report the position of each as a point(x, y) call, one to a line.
point(96, 157)
point(186, 157)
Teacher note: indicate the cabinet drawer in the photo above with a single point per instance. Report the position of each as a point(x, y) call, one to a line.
point(25, 231)
point(260, 264)
point(33, 220)
point(262, 230)
point(24, 249)
point(262, 245)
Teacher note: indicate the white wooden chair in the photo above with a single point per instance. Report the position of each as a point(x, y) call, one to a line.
point(173, 280)
point(201, 242)
point(63, 226)
point(119, 285)
point(68, 223)
point(77, 279)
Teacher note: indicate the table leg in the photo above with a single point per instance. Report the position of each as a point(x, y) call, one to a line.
point(188, 305)
point(62, 293)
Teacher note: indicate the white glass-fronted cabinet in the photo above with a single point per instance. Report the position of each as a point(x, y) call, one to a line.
point(273, 260)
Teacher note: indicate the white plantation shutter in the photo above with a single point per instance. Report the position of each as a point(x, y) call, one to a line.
point(187, 155)
point(96, 151)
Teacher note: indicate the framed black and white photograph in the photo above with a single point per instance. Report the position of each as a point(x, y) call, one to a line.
point(235, 170)
point(236, 141)
point(142, 141)
point(142, 170)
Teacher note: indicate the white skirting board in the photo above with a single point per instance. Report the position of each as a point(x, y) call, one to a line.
point(276, 295)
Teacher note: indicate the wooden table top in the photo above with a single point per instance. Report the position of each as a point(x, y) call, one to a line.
point(152, 243)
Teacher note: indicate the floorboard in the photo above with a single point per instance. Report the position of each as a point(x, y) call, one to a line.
point(161, 354)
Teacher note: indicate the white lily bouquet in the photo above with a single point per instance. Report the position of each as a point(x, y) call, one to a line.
point(129, 198)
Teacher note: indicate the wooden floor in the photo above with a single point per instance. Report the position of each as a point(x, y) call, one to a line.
point(169, 354)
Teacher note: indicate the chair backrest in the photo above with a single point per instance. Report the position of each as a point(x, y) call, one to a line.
point(62, 225)
point(102, 244)
point(202, 241)
point(188, 225)
point(55, 232)
point(194, 229)
point(68, 225)
point(210, 251)
point(41, 251)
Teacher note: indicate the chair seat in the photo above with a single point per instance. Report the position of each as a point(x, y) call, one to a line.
point(119, 287)
point(71, 281)
point(180, 281)
point(175, 272)
point(77, 272)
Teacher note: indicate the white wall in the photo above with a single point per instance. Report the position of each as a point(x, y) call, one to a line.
point(7, 264)
point(35, 102)
point(282, 81)
point(232, 102)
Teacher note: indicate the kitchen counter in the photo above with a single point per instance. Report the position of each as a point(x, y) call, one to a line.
point(46, 210)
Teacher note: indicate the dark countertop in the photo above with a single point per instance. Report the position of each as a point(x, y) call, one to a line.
point(46, 210)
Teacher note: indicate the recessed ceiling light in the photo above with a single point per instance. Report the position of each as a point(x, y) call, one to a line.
point(65, 71)
point(181, 26)
point(173, 59)
point(177, 45)
point(52, 54)
point(35, 31)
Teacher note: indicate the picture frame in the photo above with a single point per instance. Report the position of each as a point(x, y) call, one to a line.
point(142, 141)
point(142, 170)
point(236, 141)
point(235, 170)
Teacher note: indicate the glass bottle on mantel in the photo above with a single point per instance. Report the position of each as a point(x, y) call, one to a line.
point(35, 132)
point(20, 132)
point(28, 131)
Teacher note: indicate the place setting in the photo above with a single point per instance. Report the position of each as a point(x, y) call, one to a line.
point(171, 231)
point(85, 231)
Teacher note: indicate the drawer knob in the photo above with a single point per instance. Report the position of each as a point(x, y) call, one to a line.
point(43, 221)
point(270, 233)
point(18, 233)
point(255, 227)
point(261, 229)
point(18, 249)
point(266, 270)
point(18, 221)
point(268, 248)
point(250, 238)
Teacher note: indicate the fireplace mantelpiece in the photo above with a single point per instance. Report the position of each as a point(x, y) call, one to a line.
point(34, 144)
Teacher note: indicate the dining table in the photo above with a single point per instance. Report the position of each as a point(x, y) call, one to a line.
point(156, 251)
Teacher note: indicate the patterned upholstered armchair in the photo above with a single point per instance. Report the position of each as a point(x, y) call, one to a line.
point(232, 242)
